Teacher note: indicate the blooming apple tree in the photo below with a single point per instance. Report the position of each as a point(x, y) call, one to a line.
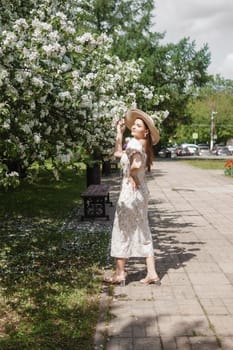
point(60, 94)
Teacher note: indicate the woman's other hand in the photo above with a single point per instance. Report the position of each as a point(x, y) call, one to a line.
point(134, 183)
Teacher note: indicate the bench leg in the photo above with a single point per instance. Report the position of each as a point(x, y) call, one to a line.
point(108, 200)
point(94, 208)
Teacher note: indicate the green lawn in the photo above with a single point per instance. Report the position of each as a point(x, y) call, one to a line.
point(50, 278)
point(206, 164)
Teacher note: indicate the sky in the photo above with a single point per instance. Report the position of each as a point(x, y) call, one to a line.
point(205, 21)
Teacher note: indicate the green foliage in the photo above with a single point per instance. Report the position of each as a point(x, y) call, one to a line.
point(180, 71)
point(126, 16)
point(216, 96)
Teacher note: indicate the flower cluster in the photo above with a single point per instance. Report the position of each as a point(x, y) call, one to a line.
point(60, 93)
point(228, 167)
point(8, 179)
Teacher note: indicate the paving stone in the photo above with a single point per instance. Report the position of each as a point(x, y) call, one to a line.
point(136, 292)
point(169, 343)
point(178, 278)
point(162, 292)
point(205, 267)
point(222, 324)
point(190, 307)
point(149, 343)
point(183, 292)
point(119, 330)
point(208, 278)
point(167, 307)
point(119, 344)
point(142, 308)
point(228, 303)
point(183, 343)
point(204, 343)
point(217, 291)
point(184, 325)
point(227, 343)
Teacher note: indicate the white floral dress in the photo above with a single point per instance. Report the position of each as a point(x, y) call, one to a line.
point(131, 235)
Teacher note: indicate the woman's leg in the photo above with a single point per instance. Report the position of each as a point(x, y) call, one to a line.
point(150, 264)
point(119, 276)
point(152, 276)
point(120, 267)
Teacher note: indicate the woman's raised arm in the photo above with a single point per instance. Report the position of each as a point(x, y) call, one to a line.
point(119, 139)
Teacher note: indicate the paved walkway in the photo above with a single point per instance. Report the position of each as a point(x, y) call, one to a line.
point(191, 217)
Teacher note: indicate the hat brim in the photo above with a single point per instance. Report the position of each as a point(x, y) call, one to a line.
point(133, 114)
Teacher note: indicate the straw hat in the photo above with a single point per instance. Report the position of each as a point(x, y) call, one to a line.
point(133, 114)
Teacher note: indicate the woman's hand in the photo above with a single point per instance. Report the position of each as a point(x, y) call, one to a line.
point(134, 183)
point(121, 127)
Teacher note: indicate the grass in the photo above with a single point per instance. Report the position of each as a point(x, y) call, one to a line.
point(225, 165)
point(47, 198)
point(207, 164)
point(50, 278)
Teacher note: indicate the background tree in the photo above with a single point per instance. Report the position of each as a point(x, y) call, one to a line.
point(185, 70)
point(175, 70)
point(216, 96)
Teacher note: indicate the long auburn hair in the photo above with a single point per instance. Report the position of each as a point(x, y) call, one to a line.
point(149, 149)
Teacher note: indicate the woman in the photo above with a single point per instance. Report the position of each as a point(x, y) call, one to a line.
point(131, 235)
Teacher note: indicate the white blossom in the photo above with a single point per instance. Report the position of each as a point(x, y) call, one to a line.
point(48, 130)
point(26, 128)
point(37, 138)
point(64, 95)
point(36, 23)
point(53, 48)
point(12, 174)
point(21, 22)
point(54, 36)
point(149, 96)
point(37, 82)
point(69, 30)
point(6, 124)
point(65, 67)
point(86, 38)
point(3, 74)
point(10, 39)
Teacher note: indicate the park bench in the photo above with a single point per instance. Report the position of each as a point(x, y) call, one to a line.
point(95, 198)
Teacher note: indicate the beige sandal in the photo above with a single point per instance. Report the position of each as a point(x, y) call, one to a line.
point(115, 280)
point(149, 280)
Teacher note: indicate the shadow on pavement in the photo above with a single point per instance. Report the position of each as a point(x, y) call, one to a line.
point(186, 334)
point(172, 251)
